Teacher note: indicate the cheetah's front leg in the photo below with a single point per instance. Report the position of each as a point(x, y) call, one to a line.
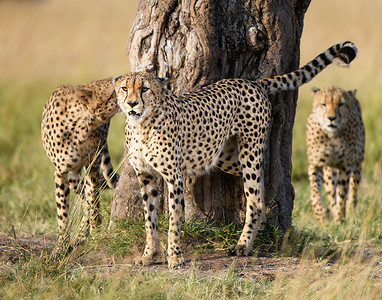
point(175, 255)
point(150, 197)
point(330, 184)
point(315, 178)
point(342, 192)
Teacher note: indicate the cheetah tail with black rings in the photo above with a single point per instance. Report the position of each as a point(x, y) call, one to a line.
point(341, 54)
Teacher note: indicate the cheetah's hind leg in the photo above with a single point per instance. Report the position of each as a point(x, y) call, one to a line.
point(253, 178)
point(150, 195)
point(62, 200)
point(108, 174)
point(92, 217)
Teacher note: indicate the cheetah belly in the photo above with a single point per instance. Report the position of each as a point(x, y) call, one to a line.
point(228, 159)
point(202, 161)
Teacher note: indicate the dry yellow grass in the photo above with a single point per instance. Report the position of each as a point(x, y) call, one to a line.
point(58, 40)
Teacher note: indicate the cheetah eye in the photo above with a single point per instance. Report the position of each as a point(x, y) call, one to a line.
point(323, 104)
point(144, 89)
point(124, 88)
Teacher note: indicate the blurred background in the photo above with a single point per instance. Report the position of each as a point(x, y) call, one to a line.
point(64, 41)
point(47, 43)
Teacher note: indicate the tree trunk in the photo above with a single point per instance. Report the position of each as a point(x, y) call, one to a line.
point(198, 42)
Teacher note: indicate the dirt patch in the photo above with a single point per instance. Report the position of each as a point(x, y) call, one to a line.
point(13, 249)
point(261, 267)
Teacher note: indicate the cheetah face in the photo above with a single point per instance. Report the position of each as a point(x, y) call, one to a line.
point(138, 94)
point(332, 107)
point(132, 99)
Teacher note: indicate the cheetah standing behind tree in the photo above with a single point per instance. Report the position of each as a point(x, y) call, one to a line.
point(335, 144)
point(225, 124)
point(74, 127)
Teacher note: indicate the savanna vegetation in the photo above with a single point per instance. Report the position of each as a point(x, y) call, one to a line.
point(47, 43)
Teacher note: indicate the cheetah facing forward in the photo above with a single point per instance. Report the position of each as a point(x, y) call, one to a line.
point(336, 145)
point(224, 124)
point(74, 127)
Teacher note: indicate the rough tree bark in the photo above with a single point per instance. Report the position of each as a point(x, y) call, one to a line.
point(198, 42)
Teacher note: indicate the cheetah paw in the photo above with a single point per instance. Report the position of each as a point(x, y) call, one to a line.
point(176, 261)
point(144, 260)
point(239, 250)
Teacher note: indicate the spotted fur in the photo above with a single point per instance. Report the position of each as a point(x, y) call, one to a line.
point(336, 144)
point(74, 127)
point(224, 124)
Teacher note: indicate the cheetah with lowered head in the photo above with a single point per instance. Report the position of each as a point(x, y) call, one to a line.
point(335, 146)
point(224, 125)
point(74, 127)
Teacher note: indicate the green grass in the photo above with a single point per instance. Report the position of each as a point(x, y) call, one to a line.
point(37, 279)
point(335, 274)
point(196, 285)
point(204, 237)
point(25, 173)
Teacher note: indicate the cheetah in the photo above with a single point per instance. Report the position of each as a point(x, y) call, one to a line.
point(222, 125)
point(335, 148)
point(74, 128)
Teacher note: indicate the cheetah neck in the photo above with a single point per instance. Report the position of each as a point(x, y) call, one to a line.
point(152, 119)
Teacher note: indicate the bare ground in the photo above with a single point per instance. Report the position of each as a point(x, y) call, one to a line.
point(265, 266)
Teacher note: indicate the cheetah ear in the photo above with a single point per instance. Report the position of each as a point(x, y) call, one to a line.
point(314, 90)
point(352, 92)
point(117, 83)
point(165, 82)
point(85, 96)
